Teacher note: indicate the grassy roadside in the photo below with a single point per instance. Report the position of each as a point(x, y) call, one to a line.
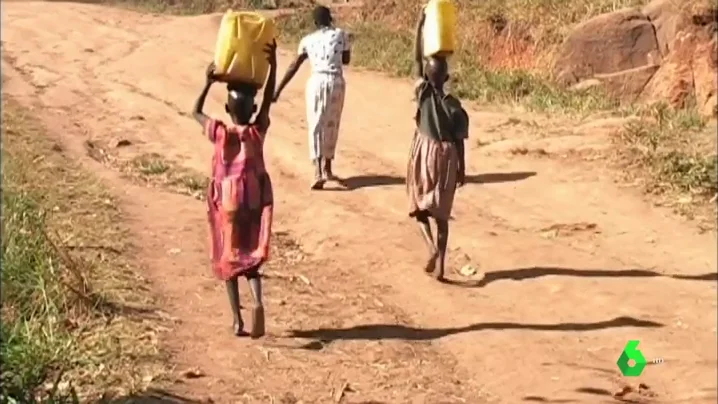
point(668, 151)
point(76, 318)
point(390, 50)
point(673, 154)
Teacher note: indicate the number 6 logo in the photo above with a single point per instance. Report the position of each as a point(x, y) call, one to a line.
point(631, 352)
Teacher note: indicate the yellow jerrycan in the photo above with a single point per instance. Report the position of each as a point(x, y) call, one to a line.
point(239, 53)
point(439, 28)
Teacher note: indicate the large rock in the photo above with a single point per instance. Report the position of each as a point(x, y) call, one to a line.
point(627, 85)
point(705, 76)
point(608, 43)
point(673, 82)
point(688, 73)
point(669, 17)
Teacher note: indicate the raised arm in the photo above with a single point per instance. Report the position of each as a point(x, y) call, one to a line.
point(292, 69)
point(418, 45)
point(197, 112)
point(262, 120)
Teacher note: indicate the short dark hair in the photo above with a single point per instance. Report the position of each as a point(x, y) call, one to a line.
point(240, 101)
point(322, 16)
point(436, 69)
point(244, 89)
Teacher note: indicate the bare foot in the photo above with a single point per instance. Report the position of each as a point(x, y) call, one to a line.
point(238, 329)
point(318, 184)
point(431, 263)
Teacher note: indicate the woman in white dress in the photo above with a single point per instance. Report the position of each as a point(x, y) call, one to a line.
point(328, 49)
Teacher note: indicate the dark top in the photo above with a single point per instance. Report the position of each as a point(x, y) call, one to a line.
point(443, 119)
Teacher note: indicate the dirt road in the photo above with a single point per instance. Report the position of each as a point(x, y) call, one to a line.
point(558, 301)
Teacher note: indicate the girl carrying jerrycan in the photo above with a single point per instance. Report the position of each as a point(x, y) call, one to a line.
point(436, 162)
point(240, 199)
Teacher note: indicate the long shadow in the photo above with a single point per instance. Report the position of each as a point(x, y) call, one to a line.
point(521, 274)
point(402, 332)
point(540, 399)
point(496, 178)
point(367, 181)
point(154, 396)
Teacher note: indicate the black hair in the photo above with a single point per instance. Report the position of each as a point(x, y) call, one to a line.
point(322, 16)
point(240, 102)
point(437, 70)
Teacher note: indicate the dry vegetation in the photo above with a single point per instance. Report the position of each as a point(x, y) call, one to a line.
point(77, 320)
point(504, 57)
point(73, 308)
point(672, 154)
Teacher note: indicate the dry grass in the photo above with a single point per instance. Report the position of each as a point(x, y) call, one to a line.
point(505, 80)
point(154, 169)
point(151, 169)
point(196, 7)
point(76, 315)
point(673, 154)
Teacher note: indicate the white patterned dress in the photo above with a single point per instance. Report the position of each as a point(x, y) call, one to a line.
point(325, 88)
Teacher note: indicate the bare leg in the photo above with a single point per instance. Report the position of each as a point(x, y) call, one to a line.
point(233, 294)
point(319, 180)
point(442, 240)
point(255, 287)
point(328, 173)
point(425, 228)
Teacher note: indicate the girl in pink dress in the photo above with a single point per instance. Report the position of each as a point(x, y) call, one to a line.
point(239, 199)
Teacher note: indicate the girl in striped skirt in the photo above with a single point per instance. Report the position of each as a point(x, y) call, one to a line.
point(436, 161)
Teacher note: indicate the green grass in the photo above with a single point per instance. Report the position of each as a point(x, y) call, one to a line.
point(676, 149)
point(390, 51)
point(71, 301)
point(35, 342)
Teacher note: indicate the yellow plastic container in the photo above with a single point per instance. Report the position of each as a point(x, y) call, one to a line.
point(239, 53)
point(439, 28)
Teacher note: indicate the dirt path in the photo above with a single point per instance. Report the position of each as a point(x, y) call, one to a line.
point(559, 299)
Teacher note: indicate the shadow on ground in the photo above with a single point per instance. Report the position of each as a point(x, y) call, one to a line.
point(154, 396)
point(323, 336)
point(521, 274)
point(368, 181)
point(539, 399)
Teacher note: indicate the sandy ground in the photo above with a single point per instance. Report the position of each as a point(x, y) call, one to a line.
point(350, 316)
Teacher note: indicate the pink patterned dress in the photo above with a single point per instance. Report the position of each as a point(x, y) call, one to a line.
point(239, 200)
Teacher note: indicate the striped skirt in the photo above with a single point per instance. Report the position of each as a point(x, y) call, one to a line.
point(235, 233)
point(431, 177)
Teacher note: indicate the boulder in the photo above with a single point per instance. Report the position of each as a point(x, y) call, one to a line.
point(673, 82)
point(668, 17)
point(608, 43)
point(705, 76)
point(627, 84)
point(689, 72)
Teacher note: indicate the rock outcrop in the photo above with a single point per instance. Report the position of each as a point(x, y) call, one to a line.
point(666, 51)
point(605, 44)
